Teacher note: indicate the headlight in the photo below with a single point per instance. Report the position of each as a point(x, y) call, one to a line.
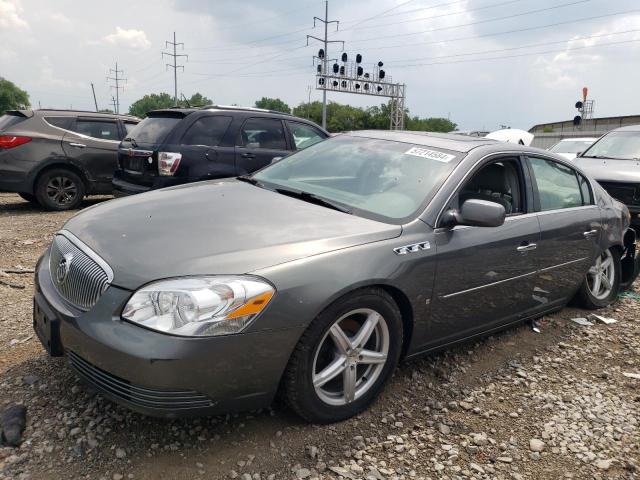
point(199, 306)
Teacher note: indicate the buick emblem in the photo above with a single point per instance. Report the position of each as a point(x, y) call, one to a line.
point(62, 272)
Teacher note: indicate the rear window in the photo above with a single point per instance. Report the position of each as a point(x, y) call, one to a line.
point(153, 129)
point(60, 122)
point(207, 131)
point(9, 120)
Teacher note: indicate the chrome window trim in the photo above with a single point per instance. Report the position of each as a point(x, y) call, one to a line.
point(44, 119)
point(89, 252)
point(518, 154)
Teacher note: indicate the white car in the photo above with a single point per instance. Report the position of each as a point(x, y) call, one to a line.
point(570, 148)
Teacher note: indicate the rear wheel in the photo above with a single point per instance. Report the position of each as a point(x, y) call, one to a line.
point(602, 281)
point(60, 189)
point(345, 357)
point(28, 197)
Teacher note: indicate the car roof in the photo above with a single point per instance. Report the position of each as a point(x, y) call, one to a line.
point(235, 108)
point(447, 141)
point(629, 128)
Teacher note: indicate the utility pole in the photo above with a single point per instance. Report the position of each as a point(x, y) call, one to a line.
point(325, 53)
point(94, 96)
point(309, 88)
point(175, 65)
point(117, 78)
point(113, 101)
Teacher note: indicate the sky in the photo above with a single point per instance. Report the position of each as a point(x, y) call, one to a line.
point(482, 63)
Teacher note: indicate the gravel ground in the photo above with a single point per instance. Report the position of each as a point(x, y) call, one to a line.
point(518, 405)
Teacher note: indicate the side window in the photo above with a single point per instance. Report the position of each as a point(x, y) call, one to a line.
point(101, 129)
point(128, 126)
point(60, 122)
point(263, 133)
point(207, 131)
point(304, 135)
point(499, 182)
point(557, 184)
point(585, 189)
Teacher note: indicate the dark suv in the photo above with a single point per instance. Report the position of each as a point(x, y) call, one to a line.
point(56, 157)
point(181, 145)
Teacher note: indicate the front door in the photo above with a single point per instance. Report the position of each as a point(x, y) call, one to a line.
point(485, 276)
point(202, 155)
point(570, 228)
point(260, 141)
point(93, 145)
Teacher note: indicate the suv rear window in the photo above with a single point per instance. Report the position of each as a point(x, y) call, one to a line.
point(60, 122)
point(153, 129)
point(9, 120)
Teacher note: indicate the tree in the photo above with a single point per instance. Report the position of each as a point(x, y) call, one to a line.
point(155, 101)
point(152, 101)
point(12, 97)
point(273, 104)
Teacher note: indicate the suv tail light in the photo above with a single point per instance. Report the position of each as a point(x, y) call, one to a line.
point(10, 141)
point(168, 163)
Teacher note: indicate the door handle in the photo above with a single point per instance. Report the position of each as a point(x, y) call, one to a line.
point(77, 145)
point(248, 155)
point(527, 247)
point(590, 233)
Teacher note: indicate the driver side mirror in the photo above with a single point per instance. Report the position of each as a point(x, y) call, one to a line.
point(476, 213)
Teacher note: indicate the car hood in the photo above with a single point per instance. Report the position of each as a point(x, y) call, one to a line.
point(610, 169)
point(217, 227)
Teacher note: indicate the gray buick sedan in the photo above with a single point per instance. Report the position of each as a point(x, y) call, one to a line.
point(313, 277)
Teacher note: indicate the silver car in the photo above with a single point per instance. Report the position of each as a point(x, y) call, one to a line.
point(316, 275)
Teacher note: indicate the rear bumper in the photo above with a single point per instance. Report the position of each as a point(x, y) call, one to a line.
point(163, 375)
point(123, 187)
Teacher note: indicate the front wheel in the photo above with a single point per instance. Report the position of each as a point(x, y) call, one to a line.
point(602, 281)
point(345, 357)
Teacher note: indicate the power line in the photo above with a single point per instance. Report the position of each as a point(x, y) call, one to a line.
point(495, 19)
point(175, 65)
point(117, 79)
point(382, 13)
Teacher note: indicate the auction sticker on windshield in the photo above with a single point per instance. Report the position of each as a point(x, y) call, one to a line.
point(431, 154)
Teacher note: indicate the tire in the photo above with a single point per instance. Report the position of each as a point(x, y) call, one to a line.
point(60, 189)
point(318, 349)
point(29, 198)
point(586, 297)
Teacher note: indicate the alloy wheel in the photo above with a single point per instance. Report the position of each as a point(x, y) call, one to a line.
point(61, 190)
point(350, 357)
point(601, 276)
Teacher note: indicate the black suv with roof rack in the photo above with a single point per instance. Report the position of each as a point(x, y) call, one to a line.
point(56, 157)
point(182, 145)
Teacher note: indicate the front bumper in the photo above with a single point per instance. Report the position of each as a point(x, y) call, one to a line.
point(158, 374)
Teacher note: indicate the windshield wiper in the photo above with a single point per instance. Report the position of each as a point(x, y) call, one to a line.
point(311, 198)
point(248, 179)
point(132, 140)
point(604, 157)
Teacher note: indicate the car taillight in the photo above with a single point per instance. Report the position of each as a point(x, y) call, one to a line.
point(168, 163)
point(10, 141)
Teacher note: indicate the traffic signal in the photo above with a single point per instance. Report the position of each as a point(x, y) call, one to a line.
point(577, 120)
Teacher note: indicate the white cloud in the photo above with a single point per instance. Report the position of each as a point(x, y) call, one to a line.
point(60, 19)
point(10, 15)
point(128, 38)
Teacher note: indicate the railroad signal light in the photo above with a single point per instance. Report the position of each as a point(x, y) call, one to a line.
point(380, 64)
point(335, 83)
point(336, 68)
point(342, 70)
point(366, 86)
point(319, 68)
point(577, 120)
point(366, 75)
point(579, 105)
point(357, 86)
point(360, 71)
point(321, 53)
point(344, 57)
point(379, 88)
point(358, 58)
point(381, 74)
point(321, 81)
point(343, 84)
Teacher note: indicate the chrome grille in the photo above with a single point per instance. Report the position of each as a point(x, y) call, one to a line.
point(79, 275)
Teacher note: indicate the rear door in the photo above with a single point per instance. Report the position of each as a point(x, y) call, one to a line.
point(203, 154)
point(260, 141)
point(570, 228)
point(93, 143)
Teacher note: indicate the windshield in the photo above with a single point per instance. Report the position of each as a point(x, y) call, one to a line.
point(153, 129)
point(571, 146)
point(616, 146)
point(380, 179)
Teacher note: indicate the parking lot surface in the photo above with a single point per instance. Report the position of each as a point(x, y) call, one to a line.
point(518, 405)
